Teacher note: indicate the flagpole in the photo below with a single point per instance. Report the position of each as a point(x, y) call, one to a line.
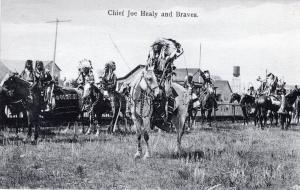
point(55, 41)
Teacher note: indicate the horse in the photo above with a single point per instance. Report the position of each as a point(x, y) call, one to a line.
point(285, 119)
point(207, 101)
point(247, 103)
point(124, 101)
point(192, 110)
point(18, 90)
point(264, 103)
point(144, 89)
point(95, 104)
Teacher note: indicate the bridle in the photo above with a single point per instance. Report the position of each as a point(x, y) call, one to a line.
point(148, 85)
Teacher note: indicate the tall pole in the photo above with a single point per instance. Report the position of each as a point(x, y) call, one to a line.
point(55, 41)
point(200, 57)
point(200, 60)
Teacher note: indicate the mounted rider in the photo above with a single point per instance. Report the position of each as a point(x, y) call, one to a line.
point(109, 82)
point(28, 73)
point(85, 72)
point(208, 84)
point(189, 84)
point(162, 55)
point(251, 90)
point(42, 79)
point(272, 88)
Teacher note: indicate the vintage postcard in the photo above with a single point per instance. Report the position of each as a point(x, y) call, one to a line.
point(137, 94)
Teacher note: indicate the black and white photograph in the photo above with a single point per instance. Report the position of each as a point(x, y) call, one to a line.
point(140, 94)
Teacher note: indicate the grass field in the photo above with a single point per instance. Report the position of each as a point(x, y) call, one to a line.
point(226, 156)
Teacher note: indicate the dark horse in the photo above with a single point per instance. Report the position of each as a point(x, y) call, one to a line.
point(207, 103)
point(100, 105)
point(264, 103)
point(95, 104)
point(18, 91)
point(246, 102)
point(192, 111)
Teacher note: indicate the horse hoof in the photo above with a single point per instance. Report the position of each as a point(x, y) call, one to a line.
point(137, 156)
point(65, 131)
point(146, 156)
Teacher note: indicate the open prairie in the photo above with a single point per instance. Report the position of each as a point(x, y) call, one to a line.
point(226, 156)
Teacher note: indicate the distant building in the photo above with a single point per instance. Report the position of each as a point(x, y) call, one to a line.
point(56, 69)
point(3, 70)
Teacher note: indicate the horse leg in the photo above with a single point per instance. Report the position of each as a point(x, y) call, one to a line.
point(209, 117)
point(203, 115)
point(288, 122)
point(282, 121)
point(194, 119)
point(276, 119)
point(265, 117)
point(98, 116)
point(138, 122)
point(180, 130)
point(147, 153)
point(36, 132)
point(260, 116)
point(91, 120)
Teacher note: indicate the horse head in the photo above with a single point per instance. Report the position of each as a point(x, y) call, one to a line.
point(149, 82)
point(13, 83)
point(235, 97)
point(87, 90)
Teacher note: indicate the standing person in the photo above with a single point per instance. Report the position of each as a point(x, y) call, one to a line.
point(162, 55)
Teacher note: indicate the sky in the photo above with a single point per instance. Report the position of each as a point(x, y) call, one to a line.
point(255, 35)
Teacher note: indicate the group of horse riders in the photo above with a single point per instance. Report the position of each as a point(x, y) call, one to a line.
point(39, 79)
point(162, 54)
point(273, 87)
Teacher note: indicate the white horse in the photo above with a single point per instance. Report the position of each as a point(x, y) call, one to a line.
point(144, 88)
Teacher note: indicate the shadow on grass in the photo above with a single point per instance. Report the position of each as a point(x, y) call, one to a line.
point(192, 155)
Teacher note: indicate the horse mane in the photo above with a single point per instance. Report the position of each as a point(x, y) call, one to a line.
point(133, 84)
point(23, 81)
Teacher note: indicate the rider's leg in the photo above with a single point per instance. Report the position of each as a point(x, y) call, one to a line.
point(170, 110)
point(215, 104)
point(171, 103)
point(113, 108)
